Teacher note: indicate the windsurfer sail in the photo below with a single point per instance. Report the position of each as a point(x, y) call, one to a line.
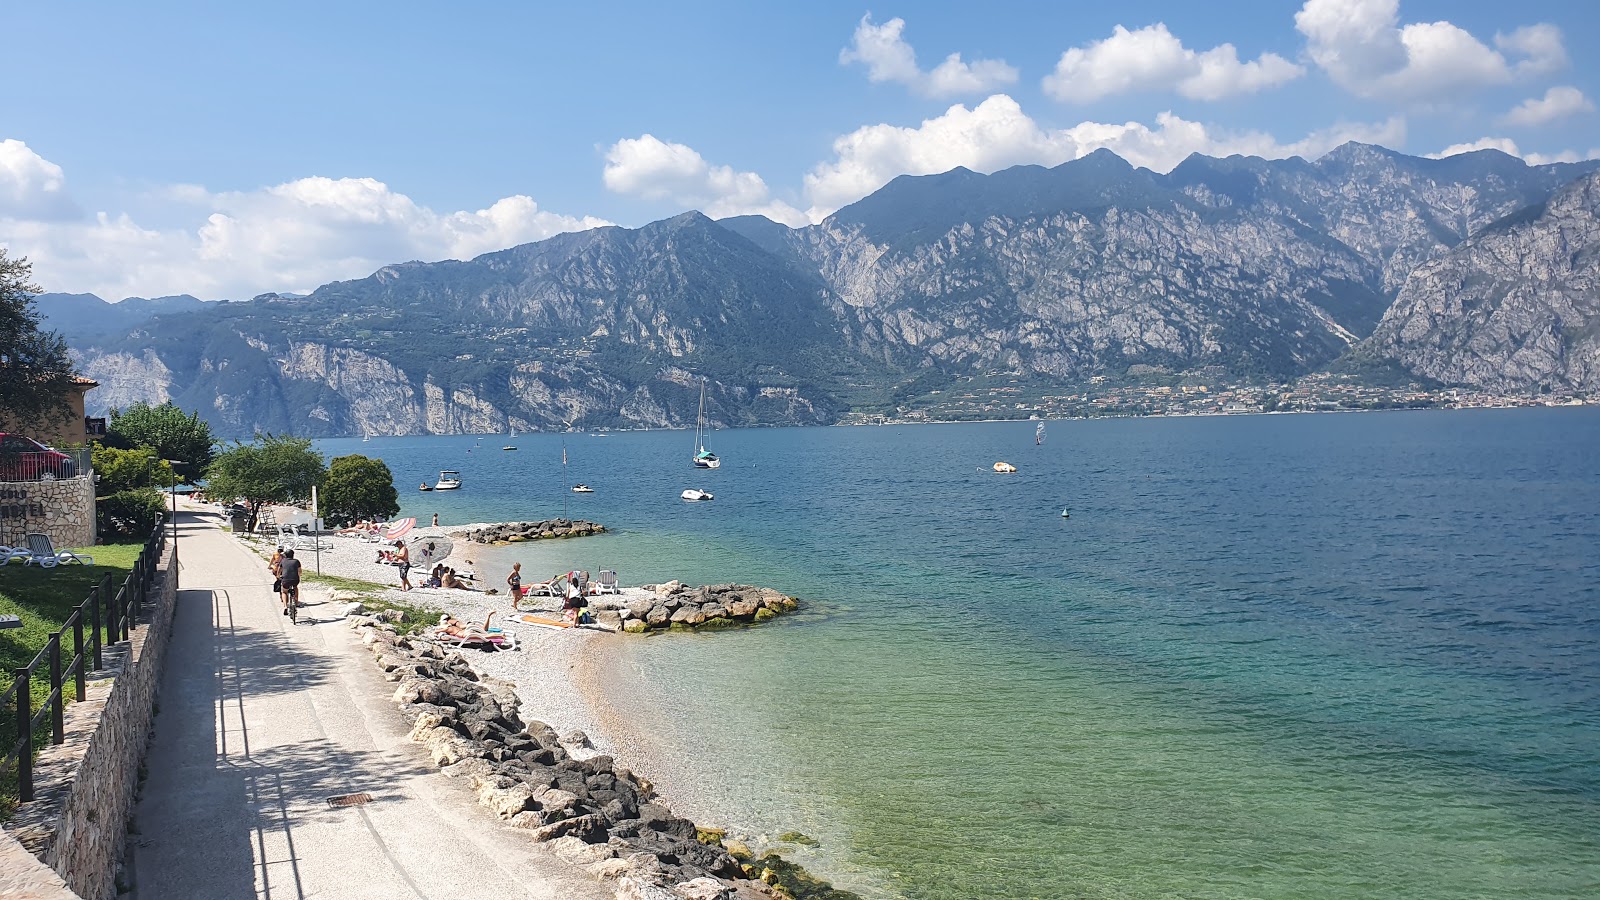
point(1038, 435)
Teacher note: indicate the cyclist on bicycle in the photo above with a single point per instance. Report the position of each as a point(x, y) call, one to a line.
point(289, 579)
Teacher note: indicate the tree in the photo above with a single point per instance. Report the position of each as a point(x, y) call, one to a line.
point(168, 431)
point(358, 488)
point(126, 470)
point(128, 500)
point(37, 371)
point(270, 469)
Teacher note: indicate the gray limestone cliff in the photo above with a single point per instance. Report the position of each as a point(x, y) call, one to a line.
point(1515, 309)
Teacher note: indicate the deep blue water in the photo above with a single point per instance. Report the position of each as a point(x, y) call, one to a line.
point(1276, 656)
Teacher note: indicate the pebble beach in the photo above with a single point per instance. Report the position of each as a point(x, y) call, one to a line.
point(562, 675)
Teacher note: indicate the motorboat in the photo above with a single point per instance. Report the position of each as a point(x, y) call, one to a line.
point(448, 481)
point(703, 458)
point(697, 494)
point(508, 447)
point(425, 486)
point(582, 489)
point(1004, 468)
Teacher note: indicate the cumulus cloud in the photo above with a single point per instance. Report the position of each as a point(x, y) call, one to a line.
point(649, 167)
point(1363, 48)
point(1153, 59)
point(1557, 103)
point(888, 57)
point(288, 237)
point(31, 186)
point(997, 133)
point(1507, 145)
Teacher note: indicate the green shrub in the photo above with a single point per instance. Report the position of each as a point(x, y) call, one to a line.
point(131, 513)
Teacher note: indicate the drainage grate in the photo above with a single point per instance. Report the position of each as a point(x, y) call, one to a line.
point(344, 800)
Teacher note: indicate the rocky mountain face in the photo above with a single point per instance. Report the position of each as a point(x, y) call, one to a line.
point(1514, 309)
point(1089, 268)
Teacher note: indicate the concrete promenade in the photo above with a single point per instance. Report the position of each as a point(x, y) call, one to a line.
point(261, 721)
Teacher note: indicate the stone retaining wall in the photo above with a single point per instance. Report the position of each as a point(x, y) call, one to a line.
point(63, 509)
point(84, 788)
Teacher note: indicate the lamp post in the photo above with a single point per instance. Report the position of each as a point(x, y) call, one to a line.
point(172, 466)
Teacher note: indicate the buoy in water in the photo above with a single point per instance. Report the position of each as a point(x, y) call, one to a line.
point(1065, 514)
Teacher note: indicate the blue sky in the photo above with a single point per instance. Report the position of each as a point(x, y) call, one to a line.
point(225, 150)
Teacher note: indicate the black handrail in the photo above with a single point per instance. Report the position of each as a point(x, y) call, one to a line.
point(121, 614)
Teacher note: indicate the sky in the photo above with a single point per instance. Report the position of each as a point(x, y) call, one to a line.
point(226, 150)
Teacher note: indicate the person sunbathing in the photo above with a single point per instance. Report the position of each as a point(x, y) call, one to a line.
point(454, 627)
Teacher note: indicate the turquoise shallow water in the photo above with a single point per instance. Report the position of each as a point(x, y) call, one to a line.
point(1272, 656)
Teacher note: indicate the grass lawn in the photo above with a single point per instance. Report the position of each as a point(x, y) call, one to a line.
point(44, 598)
point(416, 617)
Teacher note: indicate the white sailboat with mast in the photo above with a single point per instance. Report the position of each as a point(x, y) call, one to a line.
point(703, 458)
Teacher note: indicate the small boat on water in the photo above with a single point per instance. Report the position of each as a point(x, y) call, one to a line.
point(1004, 468)
point(508, 447)
point(703, 458)
point(697, 494)
point(582, 489)
point(425, 487)
point(448, 481)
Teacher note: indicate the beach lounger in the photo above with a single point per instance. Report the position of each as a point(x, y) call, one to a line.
point(43, 554)
point(607, 583)
point(491, 641)
point(7, 554)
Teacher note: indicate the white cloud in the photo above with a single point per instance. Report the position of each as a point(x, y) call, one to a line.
point(1152, 59)
point(1507, 145)
point(1363, 48)
point(1557, 103)
point(1504, 145)
point(32, 186)
point(1539, 45)
point(997, 133)
point(649, 167)
point(288, 237)
point(888, 57)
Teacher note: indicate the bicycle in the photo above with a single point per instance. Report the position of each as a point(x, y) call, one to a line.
point(292, 593)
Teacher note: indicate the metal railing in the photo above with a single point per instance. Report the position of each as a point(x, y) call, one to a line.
point(109, 617)
point(42, 465)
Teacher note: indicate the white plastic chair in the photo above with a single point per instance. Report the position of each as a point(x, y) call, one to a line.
point(606, 583)
point(44, 554)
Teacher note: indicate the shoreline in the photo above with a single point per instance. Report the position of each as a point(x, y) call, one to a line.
point(565, 678)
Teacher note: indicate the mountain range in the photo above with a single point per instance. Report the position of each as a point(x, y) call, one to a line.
point(1474, 270)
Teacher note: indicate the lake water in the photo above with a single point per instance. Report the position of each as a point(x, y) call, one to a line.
point(1266, 656)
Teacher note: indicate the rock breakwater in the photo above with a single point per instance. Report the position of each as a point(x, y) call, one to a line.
point(518, 532)
point(590, 811)
point(675, 606)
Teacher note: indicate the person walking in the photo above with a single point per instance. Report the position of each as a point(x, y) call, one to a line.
point(402, 561)
point(514, 581)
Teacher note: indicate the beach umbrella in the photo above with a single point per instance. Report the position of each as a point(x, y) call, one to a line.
point(427, 552)
point(400, 529)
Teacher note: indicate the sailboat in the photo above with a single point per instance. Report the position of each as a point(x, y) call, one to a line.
point(513, 434)
point(703, 458)
point(1038, 435)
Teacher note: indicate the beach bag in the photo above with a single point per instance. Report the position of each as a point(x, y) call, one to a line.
point(277, 585)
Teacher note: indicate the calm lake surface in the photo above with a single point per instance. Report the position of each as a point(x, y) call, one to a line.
point(1266, 656)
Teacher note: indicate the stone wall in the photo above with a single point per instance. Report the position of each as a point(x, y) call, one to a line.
point(84, 788)
point(63, 509)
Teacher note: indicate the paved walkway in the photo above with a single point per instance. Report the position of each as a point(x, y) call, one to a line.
point(261, 721)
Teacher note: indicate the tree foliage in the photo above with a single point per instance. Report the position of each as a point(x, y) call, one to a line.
point(37, 369)
point(172, 434)
point(270, 469)
point(128, 514)
point(124, 470)
point(358, 488)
